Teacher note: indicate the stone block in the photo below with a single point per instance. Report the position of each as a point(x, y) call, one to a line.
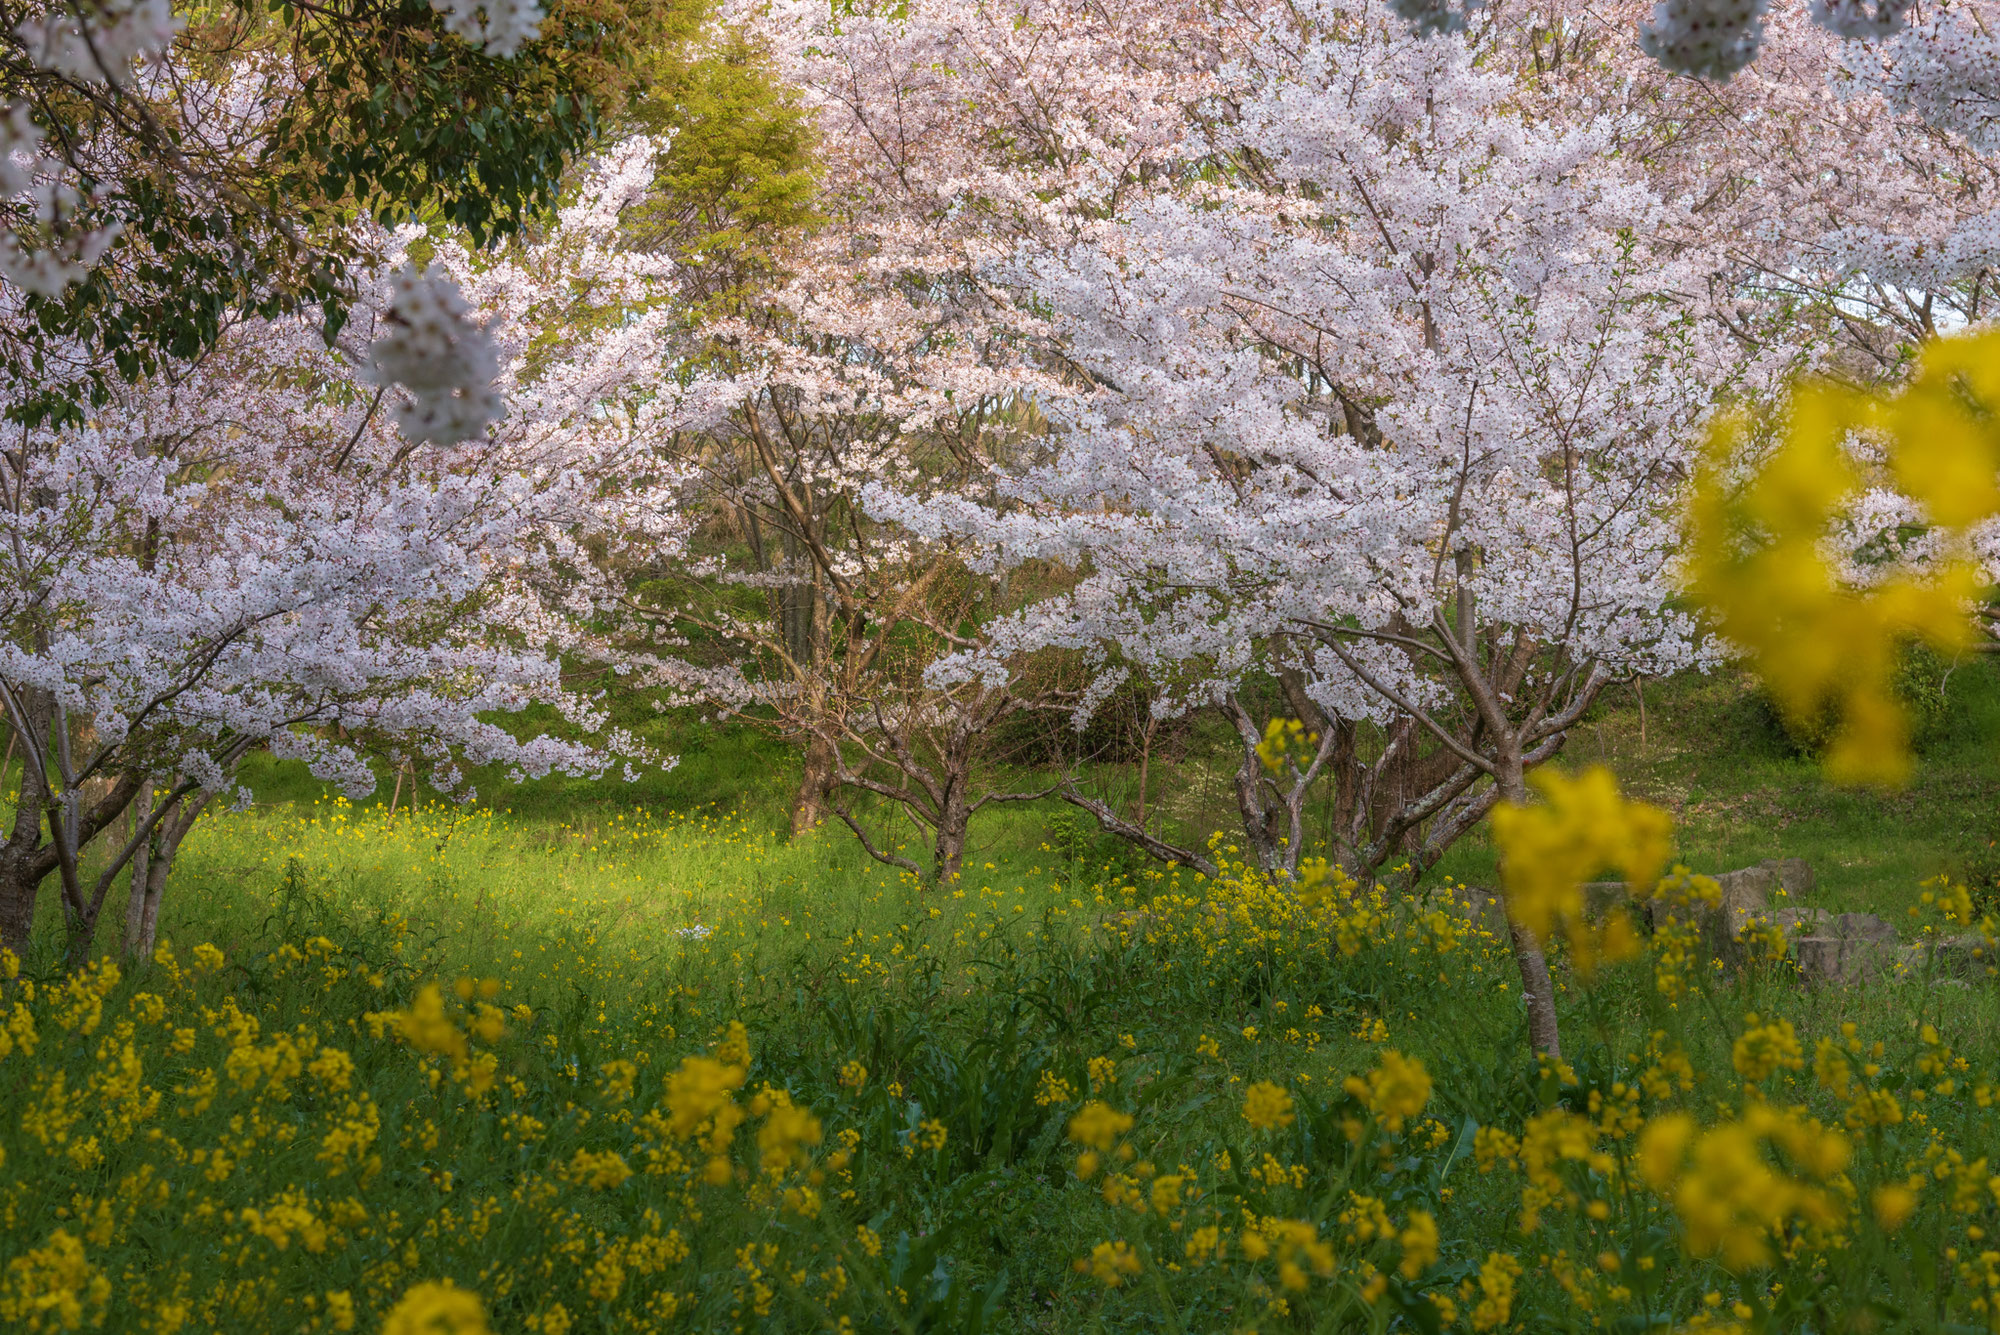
point(1795, 875)
point(1792, 920)
point(1749, 888)
point(1966, 959)
point(1477, 905)
point(1745, 891)
point(1601, 897)
point(1830, 957)
point(1860, 927)
point(1729, 945)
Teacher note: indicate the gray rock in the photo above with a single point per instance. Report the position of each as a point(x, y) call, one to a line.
point(1795, 875)
point(1601, 897)
point(1861, 927)
point(1477, 905)
point(1966, 959)
point(1795, 921)
point(1743, 892)
point(1749, 888)
point(1732, 947)
point(1826, 957)
point(1746, 893)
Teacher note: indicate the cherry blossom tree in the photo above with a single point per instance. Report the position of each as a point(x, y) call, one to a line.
point(1845, 185)
point(1401, 377)
point(316, 548)
point(165, 167)
point(217, 541)
point(1848, 181)
point(883, 353)
point(1704, 39)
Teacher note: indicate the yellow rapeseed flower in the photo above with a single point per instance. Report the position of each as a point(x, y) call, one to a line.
point(1582, 826)
point(1267, 1106)
point(1893, 1205)
point(1110, 1263)
point(1098, 1125)
point(1765, 1048)
point(437, 1308)
point(1396, 1090)
point(1419, 1241)
point(1758, 545)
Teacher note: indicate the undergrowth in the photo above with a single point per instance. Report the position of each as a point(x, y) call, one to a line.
point(1139, 1103)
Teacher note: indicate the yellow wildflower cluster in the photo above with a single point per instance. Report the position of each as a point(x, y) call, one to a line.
point(1759, 545)
point(1848, 1068)
point(1266, 1106)
point(54, 1287)
point(1110, 1263)
point(1735, 1202)
point(928, 1137)
point(1296, 1247)
point(1766, 1047)
point(1492, 1301)
point(1395, 1091)
point(1099, 1128)
point(1581, 827)
point(244, 1161)
point(1677, 934)
point(440, 1308)
point(427, 1025)
point(1285, 738)
point(1052, 1089)
point(305, 1144)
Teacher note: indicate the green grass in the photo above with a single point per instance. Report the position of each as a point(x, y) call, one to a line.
point(633, 922)
point(1740, 793)
point(1704, 749)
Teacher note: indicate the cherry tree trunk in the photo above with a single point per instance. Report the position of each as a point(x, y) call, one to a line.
point(142, 924)
point(1537, 988)
point(135, 902)
point(809, 804)
point(1262, 830)
point(24, 861)
point(954, 824)
point(80, 926)
point(20, 883)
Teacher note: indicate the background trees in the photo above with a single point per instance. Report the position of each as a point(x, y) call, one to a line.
point(189, 166)
point(906, 370)
point(1400, 377)
point(286, 531)
point(878, 356)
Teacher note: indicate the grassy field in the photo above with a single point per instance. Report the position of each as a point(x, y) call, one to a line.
point(1740, 793)
point(655, 852)
point(477, 1068)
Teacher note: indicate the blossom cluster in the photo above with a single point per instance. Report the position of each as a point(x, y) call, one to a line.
point(436, 351)
point(1707, 38)
point(500, 28)
point(98, 40)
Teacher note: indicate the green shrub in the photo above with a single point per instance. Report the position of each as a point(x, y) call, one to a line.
point(1920, 685)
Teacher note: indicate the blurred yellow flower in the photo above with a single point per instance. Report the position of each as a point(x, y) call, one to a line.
point(1267, 1106)
point(1582, 826)
point(437, 1308)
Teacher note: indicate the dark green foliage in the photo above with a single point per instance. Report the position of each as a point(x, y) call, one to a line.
point(1116, 734)
point(1920, 685)
point(388, 117)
